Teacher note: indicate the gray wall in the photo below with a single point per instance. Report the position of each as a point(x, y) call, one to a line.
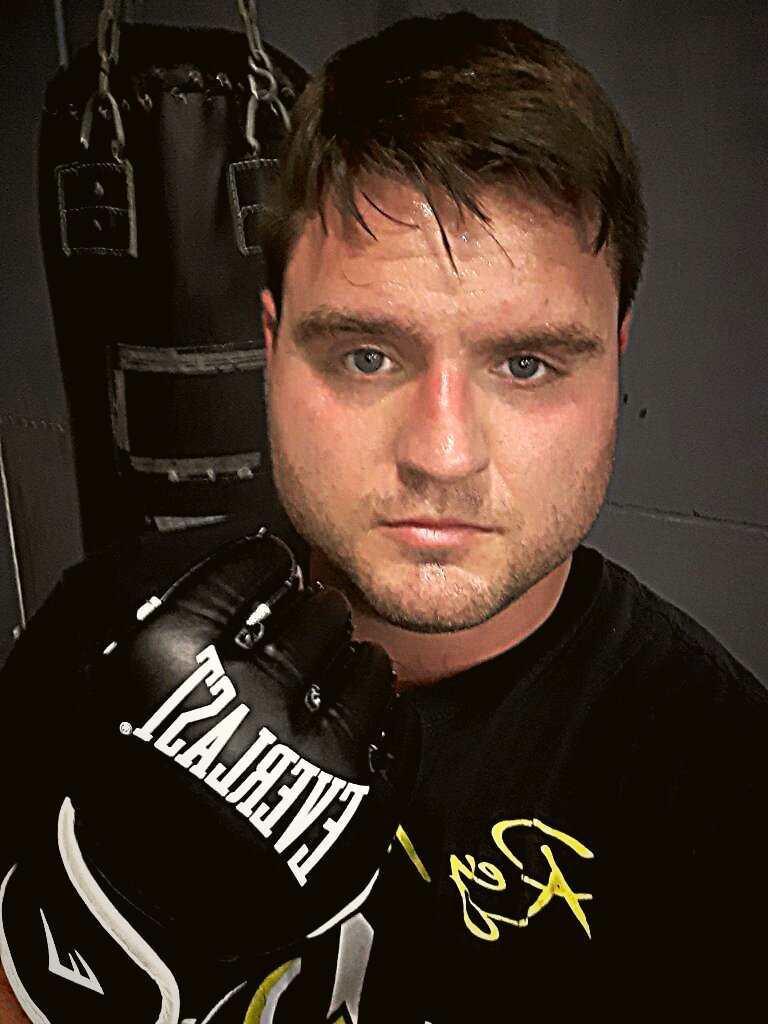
point(688, 506)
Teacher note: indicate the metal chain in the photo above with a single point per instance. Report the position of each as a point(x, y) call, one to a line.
point(261, 76)
point(108, 48)
point(107, 43)
point(61, 33)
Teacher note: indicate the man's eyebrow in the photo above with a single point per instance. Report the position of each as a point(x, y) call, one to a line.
point(324, 323)
point(563, 340)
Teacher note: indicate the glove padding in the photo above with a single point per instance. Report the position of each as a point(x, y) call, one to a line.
point(240, 766)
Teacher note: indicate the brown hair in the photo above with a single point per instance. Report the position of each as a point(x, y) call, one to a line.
point(451, 104)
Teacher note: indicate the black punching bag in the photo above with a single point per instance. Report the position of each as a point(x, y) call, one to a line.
point(156, 145)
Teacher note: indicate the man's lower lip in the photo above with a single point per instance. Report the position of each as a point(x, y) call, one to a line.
point(434, 536)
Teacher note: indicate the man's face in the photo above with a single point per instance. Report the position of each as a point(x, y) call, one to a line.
point(443, 435)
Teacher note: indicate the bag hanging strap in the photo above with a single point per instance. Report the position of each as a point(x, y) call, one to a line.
point(261, 76)
point(97, 201)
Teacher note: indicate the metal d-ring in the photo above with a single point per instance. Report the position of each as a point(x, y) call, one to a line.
point(312, 698)
point(248, 637)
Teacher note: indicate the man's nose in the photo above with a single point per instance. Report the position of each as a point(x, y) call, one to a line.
point(442, 435)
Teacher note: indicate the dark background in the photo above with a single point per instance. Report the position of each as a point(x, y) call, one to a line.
point(688, 506)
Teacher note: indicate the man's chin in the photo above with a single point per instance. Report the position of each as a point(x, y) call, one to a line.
point(429, 597)
point(435, 612)
point(440, 625)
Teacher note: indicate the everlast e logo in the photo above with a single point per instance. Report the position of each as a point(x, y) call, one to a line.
point(267, 759)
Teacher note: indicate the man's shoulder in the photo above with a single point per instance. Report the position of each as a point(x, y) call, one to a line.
point(657, 638)
point(682, 722)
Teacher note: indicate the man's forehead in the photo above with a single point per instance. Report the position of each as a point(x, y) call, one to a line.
point(437, 247)
point(392, 208)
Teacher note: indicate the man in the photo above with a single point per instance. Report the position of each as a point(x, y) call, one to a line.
point(452, 264)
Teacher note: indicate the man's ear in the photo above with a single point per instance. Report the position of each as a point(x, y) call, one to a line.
point(623, 332)
point(268, 323)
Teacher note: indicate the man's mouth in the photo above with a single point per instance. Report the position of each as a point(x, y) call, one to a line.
point(424, 532)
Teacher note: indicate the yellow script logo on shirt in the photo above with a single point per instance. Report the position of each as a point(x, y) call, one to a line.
point(483, 923)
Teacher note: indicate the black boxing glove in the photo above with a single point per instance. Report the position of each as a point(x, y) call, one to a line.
point(237, 770)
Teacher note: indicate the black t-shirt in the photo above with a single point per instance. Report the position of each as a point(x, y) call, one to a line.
point(588, 822)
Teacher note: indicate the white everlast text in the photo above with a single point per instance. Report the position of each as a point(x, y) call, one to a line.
point(256, 771)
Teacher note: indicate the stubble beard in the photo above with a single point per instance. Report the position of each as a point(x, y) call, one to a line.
point(432, 594)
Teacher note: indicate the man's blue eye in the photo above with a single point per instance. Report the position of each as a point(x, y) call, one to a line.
point(367, 360)
point(523, 367)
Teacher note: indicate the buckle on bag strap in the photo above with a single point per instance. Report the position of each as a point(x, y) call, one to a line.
point(97, 208)
point(249, 181)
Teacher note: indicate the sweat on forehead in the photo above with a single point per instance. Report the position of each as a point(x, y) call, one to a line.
point(523, 263)
point(398, 222)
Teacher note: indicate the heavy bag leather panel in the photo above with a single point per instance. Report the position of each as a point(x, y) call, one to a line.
point(154, 271)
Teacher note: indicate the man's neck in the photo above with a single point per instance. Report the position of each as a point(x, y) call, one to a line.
point(424, 658)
